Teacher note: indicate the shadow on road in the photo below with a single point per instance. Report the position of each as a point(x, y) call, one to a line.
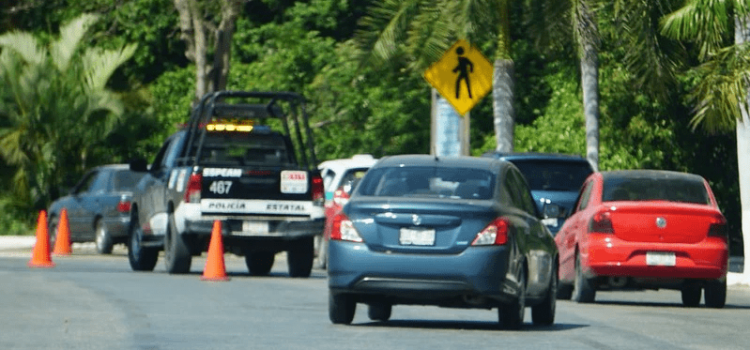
point(466, 325)
point(672, 305)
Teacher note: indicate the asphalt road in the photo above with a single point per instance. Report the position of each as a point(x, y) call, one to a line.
point(90, 301)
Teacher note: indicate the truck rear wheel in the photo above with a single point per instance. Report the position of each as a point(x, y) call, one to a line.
point(177, 256)
point(259, 263)
point(140, 258)
point(300, 257)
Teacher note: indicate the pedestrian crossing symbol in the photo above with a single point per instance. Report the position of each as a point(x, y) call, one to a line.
point(462, 76)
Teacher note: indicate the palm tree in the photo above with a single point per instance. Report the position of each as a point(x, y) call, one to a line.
point(427, 28)
point(421, 31)
point(54, 105)
point(559, 22)
point(721, 95)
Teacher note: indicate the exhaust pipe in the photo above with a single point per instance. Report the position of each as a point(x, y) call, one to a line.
point(474, 300)
point(618, 281)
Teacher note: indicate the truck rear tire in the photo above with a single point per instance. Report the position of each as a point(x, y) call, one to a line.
point(177, 257)
point(259, 263)
point(300, 257)
point(140, 258)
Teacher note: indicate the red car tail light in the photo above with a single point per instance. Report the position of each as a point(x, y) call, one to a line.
point(318, 192)
point(193, 191)
point(718, 228)
point(340, 197)
point(123, 206)
point(496, 233)
point(342, 229)
point(601, 222)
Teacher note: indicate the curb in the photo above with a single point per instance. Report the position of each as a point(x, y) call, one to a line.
point(17, 242)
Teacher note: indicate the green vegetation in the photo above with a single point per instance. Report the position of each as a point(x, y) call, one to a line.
point(55, 122)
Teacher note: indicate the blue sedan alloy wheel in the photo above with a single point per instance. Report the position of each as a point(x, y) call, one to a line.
point(341, 308)
point(511, 315)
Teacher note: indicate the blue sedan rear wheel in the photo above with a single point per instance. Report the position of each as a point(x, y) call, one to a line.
point(379, 311)
point(511, 315)
point(544, 313)
point(341, 308)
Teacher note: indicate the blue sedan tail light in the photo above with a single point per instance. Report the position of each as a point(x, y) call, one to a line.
point(496, 233)
point(343, 229)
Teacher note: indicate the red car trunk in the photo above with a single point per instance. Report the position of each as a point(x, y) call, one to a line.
point(661, 221)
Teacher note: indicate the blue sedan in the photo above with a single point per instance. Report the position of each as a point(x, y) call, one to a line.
point(458, 232)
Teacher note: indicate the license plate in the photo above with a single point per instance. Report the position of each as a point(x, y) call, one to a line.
point(660, 259)
point(551, 222)
point(252, 228)
point(410, 236)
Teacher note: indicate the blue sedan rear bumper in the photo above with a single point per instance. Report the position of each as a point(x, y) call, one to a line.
point(421, 278)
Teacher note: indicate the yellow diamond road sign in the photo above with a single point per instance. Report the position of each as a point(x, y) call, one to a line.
point(462, 76)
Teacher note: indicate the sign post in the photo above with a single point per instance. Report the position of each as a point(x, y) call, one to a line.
point(461, 77)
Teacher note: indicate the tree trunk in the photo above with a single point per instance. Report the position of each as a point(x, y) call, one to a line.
point(502, 104)
point(742, 35)
point(230, 10)
point(587, 36)
point(590, 83)
point(194, 29)
point(502, 85)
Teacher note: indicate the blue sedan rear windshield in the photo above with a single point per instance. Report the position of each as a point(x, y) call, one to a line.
point(456, 183)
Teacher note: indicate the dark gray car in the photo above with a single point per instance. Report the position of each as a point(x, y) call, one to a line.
point(553, 179)
point(98, 207)
point(446, 231)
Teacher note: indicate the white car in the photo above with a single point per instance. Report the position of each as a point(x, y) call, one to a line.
point(338, 173)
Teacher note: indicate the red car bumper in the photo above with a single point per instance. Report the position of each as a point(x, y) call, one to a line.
point(610, 256)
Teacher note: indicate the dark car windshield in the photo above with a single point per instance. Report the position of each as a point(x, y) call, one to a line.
point(654, 189)
point(457, 183)
point(546, 175)
point(244, 148)
point(126, 180)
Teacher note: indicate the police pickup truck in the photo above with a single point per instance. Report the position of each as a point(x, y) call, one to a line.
point(245, 159)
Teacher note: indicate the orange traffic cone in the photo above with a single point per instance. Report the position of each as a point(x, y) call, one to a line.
point(215, 269)
point(40, 256)
point(62, 239)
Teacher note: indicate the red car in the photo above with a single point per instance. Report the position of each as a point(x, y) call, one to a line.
point(644, 229)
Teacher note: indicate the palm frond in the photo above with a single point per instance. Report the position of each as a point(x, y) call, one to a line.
point(25, 45)
point(548, 23)
point(99, 65)
point(652, 58)
point(429, 35)
point(721, 92)
point(71, 34)
point(385, 27)
point(702, 21)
